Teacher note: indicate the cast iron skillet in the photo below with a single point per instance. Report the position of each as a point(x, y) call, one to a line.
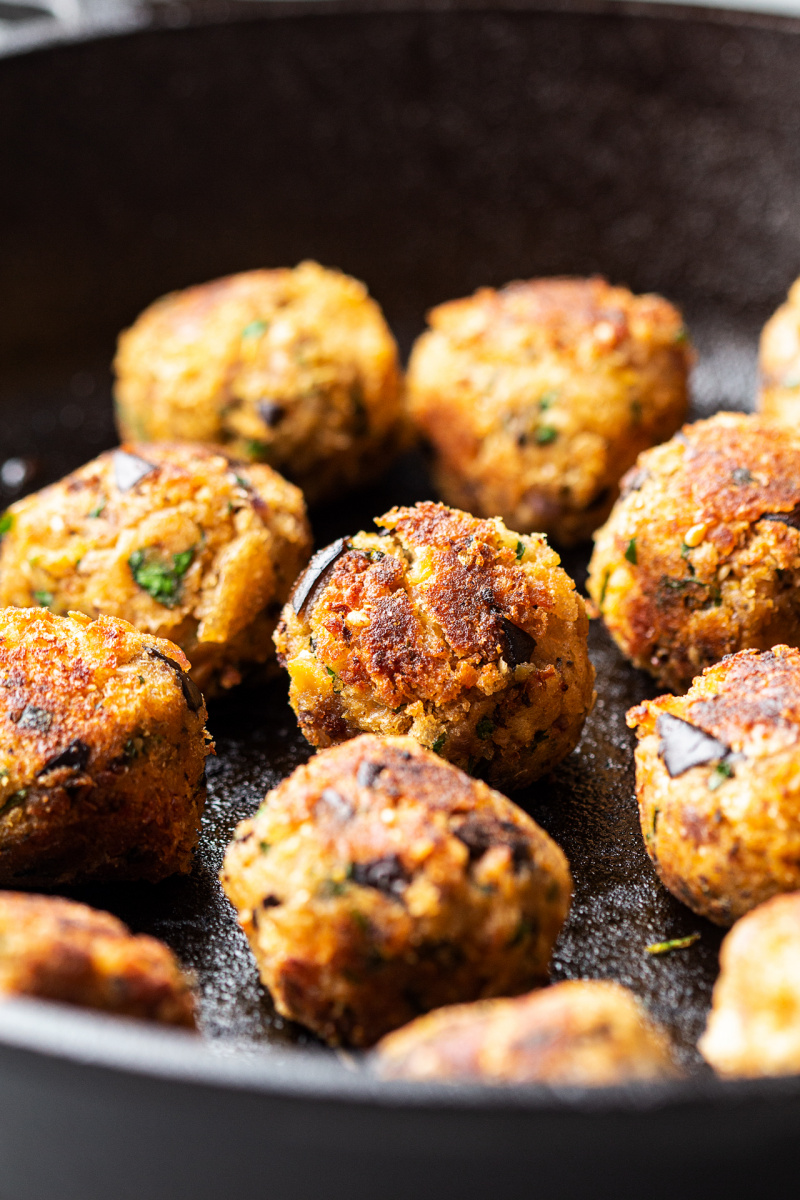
point(427, 149)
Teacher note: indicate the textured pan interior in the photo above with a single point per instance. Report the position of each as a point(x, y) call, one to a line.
point(428, 153)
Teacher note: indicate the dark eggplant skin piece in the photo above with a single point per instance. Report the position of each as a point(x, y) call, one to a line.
point(519, 644)
point(129, 469)
point(684, 746)
point(75, 756)
point(191, 692)
point(321, 562)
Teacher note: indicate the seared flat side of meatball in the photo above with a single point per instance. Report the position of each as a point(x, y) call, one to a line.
point(701, 555)
point(779, 362)
point(293, 367)
point(754, 1024)
point(378, 882)
point(102, 754)
point(584, 1033)
point(718, 786)
point(455, 631)
point(56, 949)
point(182, 541)
point(537, 398)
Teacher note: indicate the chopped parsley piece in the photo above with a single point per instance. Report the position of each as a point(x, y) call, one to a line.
point(604, 588)
point(673, 944)
point(547, 400)
point(254, 329)
point(264, 846)
point(6, 522)
point(158, 576)
point(681, 336)
point(722, 771)
point(520, 550)
point(545, 434)
point(14, 800)
point(43, 599)
point(256, 449)
point(484, 728)
point(335, 678)
point(99, 510)
point(630, 552)
point(439, 743)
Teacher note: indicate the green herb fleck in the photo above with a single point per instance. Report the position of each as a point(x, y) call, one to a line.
point(520, 550)
point(98, 510)
point(547, 400)
point(160, 578)
point(439, 743)
point(14, 801)
point(255, 329)
point(673, 944)
point(545, 434)
point(604, 588)
point(360, 920)
point(43, 599)
point(630, 552)
point(6, 522)
point(523, 930)
point(141, 679)
point(484, 728)
point(264, 846)
point(722, 771)
point(332, 887)
point(336, 680)
point(256, 449)
point(685, 551)
point(681, 336)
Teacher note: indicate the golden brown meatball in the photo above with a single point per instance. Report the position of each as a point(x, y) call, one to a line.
point(754, 1024)
point(585, 1033)
point(779, 362)
point(377, 882)
point(718, 785)
point(181, 541)
point(56, 949)
point(537, 398)
point(701, 555)
point(293, 367)
point(102, 755)
point(458, 632)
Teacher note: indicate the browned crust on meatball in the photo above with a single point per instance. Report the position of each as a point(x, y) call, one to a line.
point(538, 397)
point(56, 949)
point(453, 630)
point(724, 835)
point(701, 555)
point(581, 1033)
point(377, 882)
point(102, 760)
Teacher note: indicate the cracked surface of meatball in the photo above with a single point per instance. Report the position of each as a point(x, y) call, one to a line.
point(779, 362)
point(701, 555)
point(754, 1024)
point(182, 541)
point(297, 368)
point(584, 1033)
point(455, 631)
point(537, 398)
point(56, 949)
point(718, 786)
point(102, 755)
point(378, 881)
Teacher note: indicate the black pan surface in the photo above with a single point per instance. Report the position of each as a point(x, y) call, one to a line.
point(428, 151)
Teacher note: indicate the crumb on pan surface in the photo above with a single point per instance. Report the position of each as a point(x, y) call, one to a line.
point(754, 1024)
point(585, 1033)
point(378, 881)
point(102, 755)
point(456, 631)
point(779, 362)
point(718, 785)
point(56, 949)
point(537, 398)
point(181, 540)
point(701, 554)
point(297, 368)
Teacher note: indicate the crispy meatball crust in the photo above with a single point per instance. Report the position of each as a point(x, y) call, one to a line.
point(102, 757)
point(455, 631)
point(295, 367)
point(377, 882)
point(701, 555)
point(779, 362)
point(56, 949)
point(536, 399)
point(718, 785)
point(585, 1033)
point(754, 1024)
point(182, 541)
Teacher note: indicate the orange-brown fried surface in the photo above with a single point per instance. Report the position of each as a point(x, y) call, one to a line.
point(779, 362)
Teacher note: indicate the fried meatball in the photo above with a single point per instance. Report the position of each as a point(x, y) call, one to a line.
point(701, 555)
point(181, 541)
point(585, 1033)
point(536, 399)
point(718, 785)
point(102, 762)
point(377, 882)
point(56, 949)
point(294, 367)
point(456, 631)
point(779, 362)
point(754, 1024)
